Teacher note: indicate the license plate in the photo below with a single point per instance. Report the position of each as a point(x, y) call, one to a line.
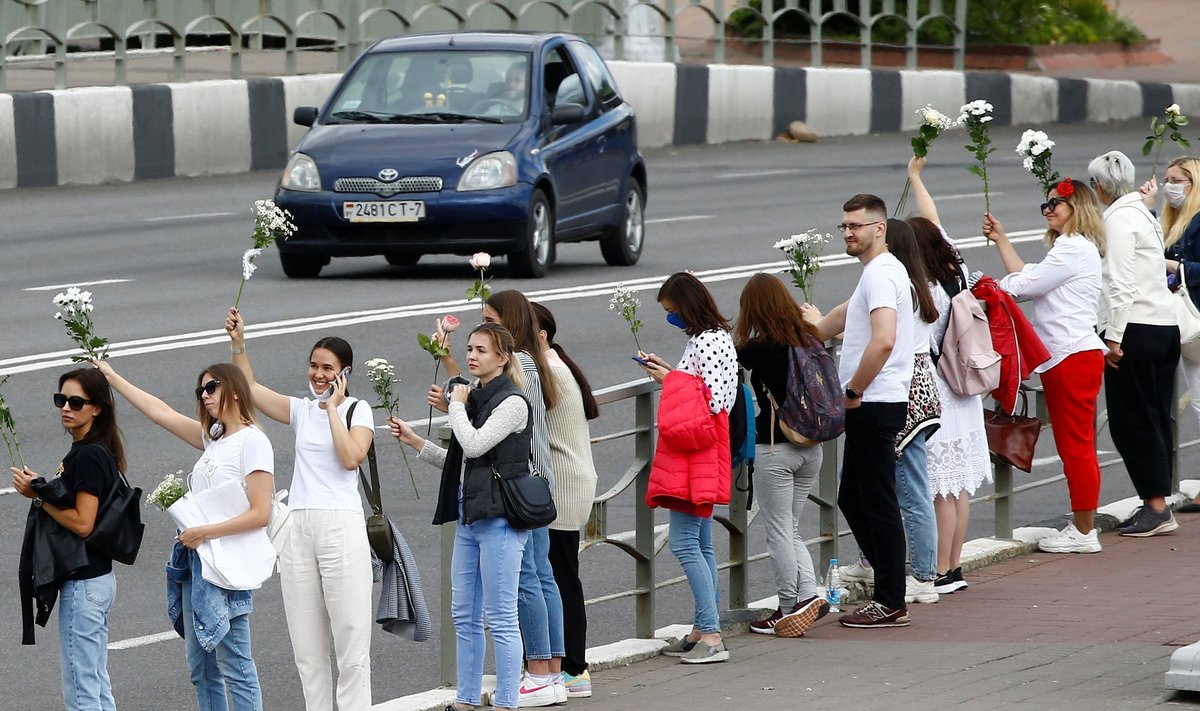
point(384, 211)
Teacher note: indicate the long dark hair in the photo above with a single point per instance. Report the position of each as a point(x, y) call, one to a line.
point(902, 243)
point(693, 302)
point(104, 430)
point(767, 312)
point(942, 261)
point(340, 349)
point(591, 409)
point(516, 315)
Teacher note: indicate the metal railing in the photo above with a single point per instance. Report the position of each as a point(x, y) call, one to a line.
point(64, 32)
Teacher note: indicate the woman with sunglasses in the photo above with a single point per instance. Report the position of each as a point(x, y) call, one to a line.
point(490, 424)
point(215, 622)
point(1065, 290)
point(1181, 229)
point(63, 513)
point(325, 564)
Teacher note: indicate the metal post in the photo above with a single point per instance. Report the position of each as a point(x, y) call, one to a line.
point(644, 518)
point(768, 50)
point(827, 485)
point(446, 629)
point(1004, 496)
point(960, 33)
point(738, 541)
point(1176, 412)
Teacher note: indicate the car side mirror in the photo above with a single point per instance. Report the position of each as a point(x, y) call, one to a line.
point(566, 113)
point(304, 115)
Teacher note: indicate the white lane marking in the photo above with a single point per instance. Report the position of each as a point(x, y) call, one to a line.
point(196, 216)
point(156, 344)
point(761, 173)
point(56, 287)
point(142, 641)
point(964, 196)
point(685, 218)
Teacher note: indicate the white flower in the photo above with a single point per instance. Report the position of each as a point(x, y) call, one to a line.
point(58, 316)
point(1173, 110)
point(248, 265)
point(1038, 148)
point(1027, 164)
point(481, 260)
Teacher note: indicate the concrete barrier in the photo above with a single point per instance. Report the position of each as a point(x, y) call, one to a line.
point(115, 134)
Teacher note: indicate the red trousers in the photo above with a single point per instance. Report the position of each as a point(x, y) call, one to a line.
point(1071, 389)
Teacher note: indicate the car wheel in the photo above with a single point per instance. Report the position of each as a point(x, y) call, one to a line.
point(534, 260)
point(402, 260)
point(300, 267)
point(623, 247)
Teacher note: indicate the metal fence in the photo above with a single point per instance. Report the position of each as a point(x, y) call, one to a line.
point(61, 33)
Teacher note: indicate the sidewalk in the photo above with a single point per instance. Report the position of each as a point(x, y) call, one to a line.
point(1040, 631)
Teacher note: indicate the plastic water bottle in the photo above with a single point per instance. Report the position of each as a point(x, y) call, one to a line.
point(833, 586)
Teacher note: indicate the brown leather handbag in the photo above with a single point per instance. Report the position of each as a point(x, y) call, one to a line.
point(1012, 438)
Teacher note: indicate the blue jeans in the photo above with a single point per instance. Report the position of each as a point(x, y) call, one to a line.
point(83, 607)
point(916, 505)
point(228, 667)
point(483, 581)
point(539, 605)
point(690, 539)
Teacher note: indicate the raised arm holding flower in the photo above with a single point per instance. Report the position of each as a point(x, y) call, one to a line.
point(975, 117)
point(271, 222)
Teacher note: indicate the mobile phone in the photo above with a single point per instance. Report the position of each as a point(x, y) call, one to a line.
point(640, 360)
point(1172, 281)
point(345, 372)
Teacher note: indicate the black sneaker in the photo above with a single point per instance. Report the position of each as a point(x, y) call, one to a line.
point(1132, 515)
point(958, 579)
point(1148, 523)
point(945, 584)
point(767, 626)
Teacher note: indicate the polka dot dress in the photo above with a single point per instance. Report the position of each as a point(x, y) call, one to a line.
point(712, 356)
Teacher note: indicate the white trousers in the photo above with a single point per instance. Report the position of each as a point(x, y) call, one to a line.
point(325, 573)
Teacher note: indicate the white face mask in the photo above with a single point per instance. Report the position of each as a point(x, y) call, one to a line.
point(320, 397)
point(1175, 193)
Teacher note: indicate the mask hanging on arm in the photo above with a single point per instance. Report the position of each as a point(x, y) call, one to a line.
point(676, 320)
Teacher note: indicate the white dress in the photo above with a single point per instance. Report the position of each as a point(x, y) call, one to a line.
point(958, 451)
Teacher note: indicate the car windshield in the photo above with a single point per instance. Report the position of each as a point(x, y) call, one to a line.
point(435, 87)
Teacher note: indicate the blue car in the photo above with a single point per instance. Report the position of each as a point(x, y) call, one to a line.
point(464, 142)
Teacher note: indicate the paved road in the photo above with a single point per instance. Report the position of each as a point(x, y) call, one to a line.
point(716, 210)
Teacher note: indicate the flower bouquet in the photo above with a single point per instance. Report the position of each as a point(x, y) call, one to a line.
point(975, 117)
point(802, 252)
point(1172, 120)
point(435, 346)
point(1035, 149)
point(8, 429)
point(168, 491)
point(627, 303)
point(76, 314)
point(271, 222)
point(382, 376)
point(933, 123)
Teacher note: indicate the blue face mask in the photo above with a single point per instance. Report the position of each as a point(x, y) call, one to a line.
point(676, 320)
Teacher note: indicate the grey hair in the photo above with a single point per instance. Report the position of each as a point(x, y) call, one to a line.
point(1113, 173)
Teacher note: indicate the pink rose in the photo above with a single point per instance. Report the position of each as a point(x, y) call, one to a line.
point(448, 324)
point(481, 260)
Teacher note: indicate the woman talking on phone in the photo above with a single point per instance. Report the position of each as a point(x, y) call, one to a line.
point(214, 621)
point(325, 564)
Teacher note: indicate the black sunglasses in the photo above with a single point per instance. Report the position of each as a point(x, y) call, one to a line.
point(74, 401)
point(1052, 204)
point(210, 387)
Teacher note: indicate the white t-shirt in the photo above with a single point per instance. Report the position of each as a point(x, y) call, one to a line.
point(884, 284)
point(319, 481)
point(232, 457)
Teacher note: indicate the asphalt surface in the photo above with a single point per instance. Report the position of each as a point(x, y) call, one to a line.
point(178, 244)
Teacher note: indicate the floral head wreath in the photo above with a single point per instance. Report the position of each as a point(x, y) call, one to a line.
point(1066, 187)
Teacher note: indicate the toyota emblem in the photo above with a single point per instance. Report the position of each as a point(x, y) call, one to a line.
point(387, 175)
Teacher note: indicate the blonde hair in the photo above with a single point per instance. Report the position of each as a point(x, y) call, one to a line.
point(235, 395)
point(1176, 219)
point(504, 343)
point(1086, 218)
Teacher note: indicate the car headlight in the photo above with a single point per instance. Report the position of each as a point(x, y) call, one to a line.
point(301, 174)
point(494, 170)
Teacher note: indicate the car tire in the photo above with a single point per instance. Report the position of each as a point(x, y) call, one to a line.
point(623, 247)
point(535, 259)
point(300, 267)
point(402, 260)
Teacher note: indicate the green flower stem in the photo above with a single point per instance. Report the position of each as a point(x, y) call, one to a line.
point(903, 198)
point(14, 448)
point(1157, 153)
point(411, 477)
point(238, 300)
point(987, 202)
point(437, 364)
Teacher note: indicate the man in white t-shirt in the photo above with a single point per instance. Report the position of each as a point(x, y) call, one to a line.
point(876, 369)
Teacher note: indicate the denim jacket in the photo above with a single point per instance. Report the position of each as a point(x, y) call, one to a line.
point(212, 607)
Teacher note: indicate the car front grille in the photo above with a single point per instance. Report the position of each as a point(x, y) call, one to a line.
point(415, 184)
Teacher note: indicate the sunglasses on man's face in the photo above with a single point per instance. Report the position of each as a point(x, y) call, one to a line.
point(1052, 204)
point(74, 401)
point(210, 387)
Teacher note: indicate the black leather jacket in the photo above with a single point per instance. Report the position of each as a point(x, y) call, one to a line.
point(49, 555)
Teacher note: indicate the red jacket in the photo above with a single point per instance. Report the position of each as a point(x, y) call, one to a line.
point(1013, 337)
point(691, 468)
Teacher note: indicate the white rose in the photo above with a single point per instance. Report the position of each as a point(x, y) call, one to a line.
point(1173, 109)
point(481, 260)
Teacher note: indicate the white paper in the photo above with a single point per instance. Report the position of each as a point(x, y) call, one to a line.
point(242, 561)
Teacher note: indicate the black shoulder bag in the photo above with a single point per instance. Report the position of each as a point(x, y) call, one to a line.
point(117, 532)
point(379, 529)
point(527, 500)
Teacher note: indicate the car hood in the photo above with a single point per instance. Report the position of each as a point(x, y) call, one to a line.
point(365, 149)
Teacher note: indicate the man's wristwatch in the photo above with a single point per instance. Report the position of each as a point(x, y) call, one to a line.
point(37, 502)
point(852, 394)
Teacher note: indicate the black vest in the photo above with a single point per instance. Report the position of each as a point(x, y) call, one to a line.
point(480, 490)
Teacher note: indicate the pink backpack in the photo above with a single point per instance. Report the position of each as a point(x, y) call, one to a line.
point(968, 363)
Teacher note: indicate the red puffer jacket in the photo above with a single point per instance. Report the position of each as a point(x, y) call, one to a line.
point(1013, 337)
point(691, 468)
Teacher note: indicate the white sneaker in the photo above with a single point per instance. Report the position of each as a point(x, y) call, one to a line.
point(532, 694)
point(857, 573)
point(1070, 540)
point(920, 591)
point(560, 690)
